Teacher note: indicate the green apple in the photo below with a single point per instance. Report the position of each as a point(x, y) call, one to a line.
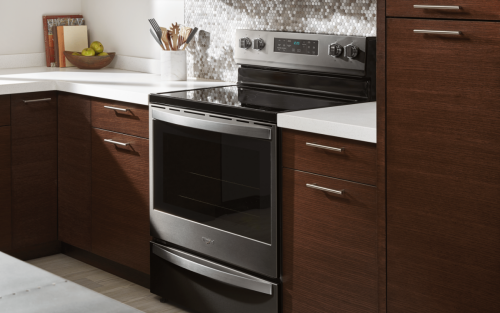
point(97, 46)
point(76, 53)
point(103, 54)
point(88, 52)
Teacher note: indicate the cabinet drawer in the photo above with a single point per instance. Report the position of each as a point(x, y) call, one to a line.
point(4, 110)
point(329, 245)
point(445, 9)
point(357, 161)
point(127, 118)
point(120, 199)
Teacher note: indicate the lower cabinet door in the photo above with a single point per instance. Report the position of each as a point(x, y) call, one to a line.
point(329, 245)
point(5, 191)
point(120, 198)
point(34, 169)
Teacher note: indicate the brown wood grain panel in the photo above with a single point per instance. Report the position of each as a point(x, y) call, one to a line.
point(329, 246)
point(469, 9)
point(4, 110)
point(443, 168)
point(381, 157)
point(34, 169)
point(5, 190)
point(133, 122)
point(357, 163)
point(120, 199)
point(74, 160)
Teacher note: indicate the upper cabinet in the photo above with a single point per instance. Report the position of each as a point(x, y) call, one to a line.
point(445, 9)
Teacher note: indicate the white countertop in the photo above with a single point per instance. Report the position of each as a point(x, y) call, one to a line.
point(106, 83)
point(356, 121)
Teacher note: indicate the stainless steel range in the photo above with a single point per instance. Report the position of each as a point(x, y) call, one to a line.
point(215, 170)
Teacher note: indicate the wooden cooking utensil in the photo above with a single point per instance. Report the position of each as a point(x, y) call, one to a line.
point(164, 37)
point(175, 30)
point(169, 40)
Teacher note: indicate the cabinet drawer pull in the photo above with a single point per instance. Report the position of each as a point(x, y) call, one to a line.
point(37, 100)
point(314, 145)
point(116, 142)
point(337, 192)
point(116, 109)
point(437, 32)
point(437, 7)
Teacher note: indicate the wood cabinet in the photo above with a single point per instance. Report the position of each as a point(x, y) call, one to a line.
point(310, 153)
point(120, 199)
point(461, 9)
point(329, 241)
point(4, 110)
point(126, 118)
point(5, 190)
point(74, 160)
point(34, 168)
point(443, 167)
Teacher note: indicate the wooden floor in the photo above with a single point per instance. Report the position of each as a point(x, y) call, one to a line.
point(107, 284)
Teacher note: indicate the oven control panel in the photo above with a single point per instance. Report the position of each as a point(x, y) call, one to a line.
point(302, 51)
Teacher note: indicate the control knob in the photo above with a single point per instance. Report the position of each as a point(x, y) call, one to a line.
point(245, 43)
point(259, 44)
point(351, 51)
point(335, 50)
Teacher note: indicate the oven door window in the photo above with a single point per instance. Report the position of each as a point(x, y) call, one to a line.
point(218, 180)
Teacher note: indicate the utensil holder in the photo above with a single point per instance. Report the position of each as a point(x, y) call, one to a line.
point(173, 65)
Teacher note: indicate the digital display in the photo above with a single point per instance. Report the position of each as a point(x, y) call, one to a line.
point(296, 46)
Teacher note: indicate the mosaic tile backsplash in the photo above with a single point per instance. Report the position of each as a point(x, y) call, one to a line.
point(211, 54)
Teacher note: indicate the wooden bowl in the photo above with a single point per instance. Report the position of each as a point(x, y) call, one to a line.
point(89, 63)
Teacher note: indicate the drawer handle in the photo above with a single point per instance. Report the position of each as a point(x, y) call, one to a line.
point(37, 100)
point(116, 109)
point(437, 7)
point(437, 32)
point(337, 192)
point(116, 142)
point(314, 145)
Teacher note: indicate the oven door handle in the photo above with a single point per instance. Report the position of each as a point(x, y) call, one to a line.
point(216, 272)
point(214, 124)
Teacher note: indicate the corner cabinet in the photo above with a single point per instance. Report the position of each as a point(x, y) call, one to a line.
point(443, 166)
point(75, 158)
point(329, 225)
point(34, 169)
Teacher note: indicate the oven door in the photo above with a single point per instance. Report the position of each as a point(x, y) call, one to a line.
point(214, 187)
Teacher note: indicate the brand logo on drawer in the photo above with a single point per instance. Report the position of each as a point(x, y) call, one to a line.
point(208, 241)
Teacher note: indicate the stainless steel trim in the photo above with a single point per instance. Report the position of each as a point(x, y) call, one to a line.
point(437, 32)
point(437, 7)
point(337, 192)
point(116, 109)
point(314, 145)
point(37, 100)
point(212, 124)
point(213, 270)
point(116, 142)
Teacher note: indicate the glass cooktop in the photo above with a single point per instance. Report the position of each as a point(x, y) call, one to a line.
point(255, 103)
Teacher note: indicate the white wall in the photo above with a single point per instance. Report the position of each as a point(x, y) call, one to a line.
point(122, 25)
point(21, 27)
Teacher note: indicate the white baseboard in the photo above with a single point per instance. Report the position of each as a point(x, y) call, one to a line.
point(22, 60)
point(135, 64)
point(128, 63)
